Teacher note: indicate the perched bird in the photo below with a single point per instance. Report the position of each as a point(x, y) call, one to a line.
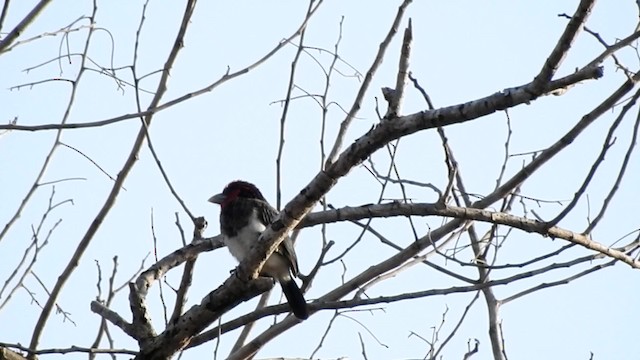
point(244, 215)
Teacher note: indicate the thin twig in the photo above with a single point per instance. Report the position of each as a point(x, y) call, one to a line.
point(337, 146)
point(72, 349)
point(115, 190)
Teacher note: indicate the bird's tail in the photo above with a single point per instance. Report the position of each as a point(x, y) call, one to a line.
point(296, 300)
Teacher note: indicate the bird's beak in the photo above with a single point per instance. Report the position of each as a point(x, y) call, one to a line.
point(218, 198)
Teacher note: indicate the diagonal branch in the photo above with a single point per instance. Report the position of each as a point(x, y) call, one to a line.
point(395, 96)
point(117, 186)
point(372, 141)
point(562, 47)
point(239, 287)
point(337, 146)
point(22, 25)
point(155, 107)
point(388, 131)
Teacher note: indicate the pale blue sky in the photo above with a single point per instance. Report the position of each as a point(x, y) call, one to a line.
point(462, 50)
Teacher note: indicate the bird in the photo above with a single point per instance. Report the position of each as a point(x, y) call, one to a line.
point(244, 215)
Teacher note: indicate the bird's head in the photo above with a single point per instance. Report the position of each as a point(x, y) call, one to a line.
point(237, 189)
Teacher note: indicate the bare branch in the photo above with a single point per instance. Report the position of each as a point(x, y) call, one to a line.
point(395, 96)
point(608, 142)
point(22, 25)
point(337, 146)
point(187, 274)
point(285, 110)
point(621, 173)
point(115, 190)
point(562, 47)
point(72, 349)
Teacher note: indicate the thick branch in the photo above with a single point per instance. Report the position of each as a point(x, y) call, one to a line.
point(370, 142)
point(562, 47)
point(26, 21)
point(198, 317)
point(177, 335)
point(114, 318)
point(390, 130)
point(176, 258)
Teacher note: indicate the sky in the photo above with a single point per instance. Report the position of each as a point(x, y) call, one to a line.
point(462, 50)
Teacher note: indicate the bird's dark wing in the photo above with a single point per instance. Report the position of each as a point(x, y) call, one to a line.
point(286, 249)
point(267, 214)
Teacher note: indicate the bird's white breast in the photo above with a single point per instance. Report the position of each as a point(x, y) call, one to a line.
point(240, 244)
